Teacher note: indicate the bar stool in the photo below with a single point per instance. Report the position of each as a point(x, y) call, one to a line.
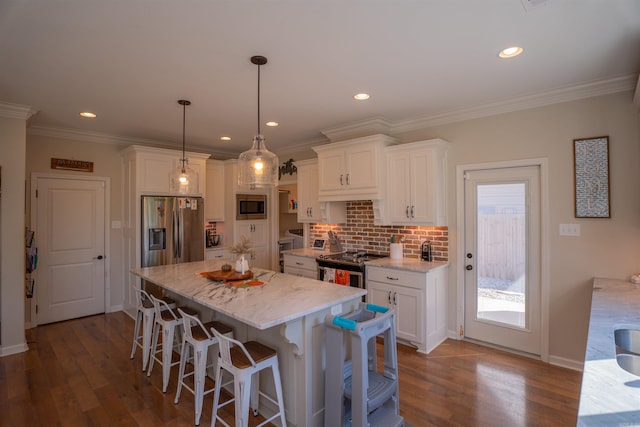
point(166, 319)
point(197, 336)
point(144, 316)
point(244, 362)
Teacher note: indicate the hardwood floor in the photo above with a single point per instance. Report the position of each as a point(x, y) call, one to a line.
point(78, 373)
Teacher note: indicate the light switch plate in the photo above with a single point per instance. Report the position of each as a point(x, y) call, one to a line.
point(570, 230)
point(116, 224)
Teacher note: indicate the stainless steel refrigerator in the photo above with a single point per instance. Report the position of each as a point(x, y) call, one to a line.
point(172, 230)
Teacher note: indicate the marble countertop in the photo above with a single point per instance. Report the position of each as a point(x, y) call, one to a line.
point(610, 396)
point(282, 298)
point(410, 264)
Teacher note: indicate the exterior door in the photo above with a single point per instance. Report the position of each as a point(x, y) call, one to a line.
point(70, 233)
point(502, 257)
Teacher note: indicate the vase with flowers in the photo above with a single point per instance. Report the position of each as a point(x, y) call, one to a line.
point(242, 251)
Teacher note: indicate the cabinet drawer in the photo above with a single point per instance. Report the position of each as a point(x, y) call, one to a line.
point(396, 277)
point(305, 263)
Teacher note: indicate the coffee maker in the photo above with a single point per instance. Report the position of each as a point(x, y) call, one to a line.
point(425, 251)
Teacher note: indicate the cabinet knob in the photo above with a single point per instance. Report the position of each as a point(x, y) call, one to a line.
point(469, 267)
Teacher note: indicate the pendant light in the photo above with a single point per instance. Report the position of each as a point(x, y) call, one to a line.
point(258, 167)
point(183, 180)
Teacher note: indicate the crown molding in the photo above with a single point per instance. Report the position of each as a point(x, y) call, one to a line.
point(572, 93)
point(365, 127)
point(88, 136)
point(16, 111)
point(301, 147)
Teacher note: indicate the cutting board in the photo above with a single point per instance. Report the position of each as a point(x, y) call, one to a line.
point(227, 276)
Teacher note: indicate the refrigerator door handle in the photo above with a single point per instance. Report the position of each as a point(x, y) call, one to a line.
point(174, 236)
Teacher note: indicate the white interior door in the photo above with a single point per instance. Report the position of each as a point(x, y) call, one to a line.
point(502, 257)
point(70, 233)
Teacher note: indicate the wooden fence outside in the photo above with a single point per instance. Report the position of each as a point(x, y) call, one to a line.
point(502, 242)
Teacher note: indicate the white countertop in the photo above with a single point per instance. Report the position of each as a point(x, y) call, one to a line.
point(610, 396)
point(410, 264)
point(282, 298)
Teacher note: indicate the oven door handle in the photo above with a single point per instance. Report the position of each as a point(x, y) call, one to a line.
point(351, 272)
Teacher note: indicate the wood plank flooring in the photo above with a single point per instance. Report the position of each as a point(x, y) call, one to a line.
point(78, 373)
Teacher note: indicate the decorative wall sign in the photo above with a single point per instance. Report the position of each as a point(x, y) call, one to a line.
point(591, 162)
point(71, 165)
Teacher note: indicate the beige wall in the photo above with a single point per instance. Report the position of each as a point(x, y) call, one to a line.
point(607, 247)
point(106, 163)
point(12, 256)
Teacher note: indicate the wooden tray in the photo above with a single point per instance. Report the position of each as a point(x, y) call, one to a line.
point(228, 276)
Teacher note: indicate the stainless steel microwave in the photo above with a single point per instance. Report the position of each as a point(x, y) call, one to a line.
point(251, 206)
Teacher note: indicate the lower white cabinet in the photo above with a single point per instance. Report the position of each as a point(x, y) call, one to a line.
point(420, 301)
point(257, 232)
point(300, 266)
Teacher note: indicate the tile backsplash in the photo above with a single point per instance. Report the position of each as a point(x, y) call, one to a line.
point(360, 233)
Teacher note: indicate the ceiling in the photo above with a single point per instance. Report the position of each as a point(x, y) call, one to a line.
point(422, 61)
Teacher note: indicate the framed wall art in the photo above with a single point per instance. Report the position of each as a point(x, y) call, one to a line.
point(591, 166)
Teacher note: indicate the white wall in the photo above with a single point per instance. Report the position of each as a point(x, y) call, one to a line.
point(607, 247)
point(12, 255)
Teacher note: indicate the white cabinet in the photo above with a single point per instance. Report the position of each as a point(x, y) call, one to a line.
point(220, 254)
point(416, 185)
point(300, 266)
point(352, 170)
point(257, 232)
point(309, 208)
point(214, 196)
point(149, 168)
point(420, 300)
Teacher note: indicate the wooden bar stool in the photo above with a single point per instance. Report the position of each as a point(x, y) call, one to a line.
point(197, 337)
point(168, 320)
point(144, 318)
point(244, 362)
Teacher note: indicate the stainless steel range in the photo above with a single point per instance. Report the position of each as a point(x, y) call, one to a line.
point(352, 262)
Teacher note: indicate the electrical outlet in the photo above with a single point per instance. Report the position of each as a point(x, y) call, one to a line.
point(570, 230)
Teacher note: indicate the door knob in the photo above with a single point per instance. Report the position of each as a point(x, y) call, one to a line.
point(99, 257)
point(469, 267)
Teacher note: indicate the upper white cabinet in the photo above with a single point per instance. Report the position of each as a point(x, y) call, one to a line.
point(416, 184)
point(214, 199)
point(352, 170)
point(149, 168)
point(310, 209)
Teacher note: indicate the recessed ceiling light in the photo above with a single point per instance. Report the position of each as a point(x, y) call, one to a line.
point(225, 138)
point(510, 52)
point(88, 114)
point(272, 124)
point(361, 96)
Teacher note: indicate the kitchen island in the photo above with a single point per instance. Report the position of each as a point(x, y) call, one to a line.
point(286, 312)
point(610, 396)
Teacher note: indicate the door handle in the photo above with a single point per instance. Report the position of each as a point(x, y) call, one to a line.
point(348, 183)
point(412, 212)
point(99, 257)
point(341, 179)
point(469, 267)
point(389, 297)
point(406, 211)
point(395, 294)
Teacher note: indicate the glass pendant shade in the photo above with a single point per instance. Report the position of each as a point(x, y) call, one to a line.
point(184, 180)
point(258, 167)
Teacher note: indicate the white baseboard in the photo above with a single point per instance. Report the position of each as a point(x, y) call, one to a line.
point(13, 349)
point(563, 362)
point(115, 308)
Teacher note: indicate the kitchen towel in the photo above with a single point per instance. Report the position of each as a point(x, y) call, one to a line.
point(342, 277)
point(329, 274)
